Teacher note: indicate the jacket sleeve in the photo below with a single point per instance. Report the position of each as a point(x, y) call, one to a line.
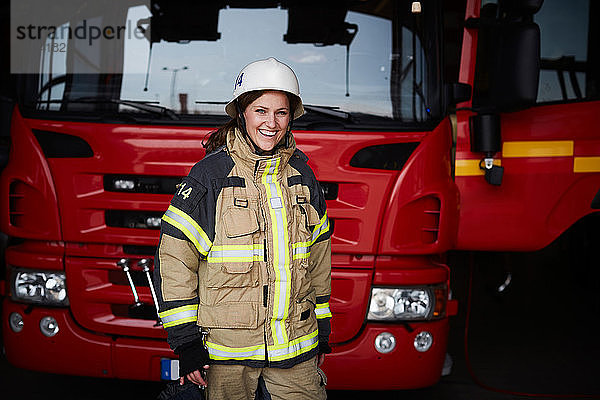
point(320, 267)
point(184, 240)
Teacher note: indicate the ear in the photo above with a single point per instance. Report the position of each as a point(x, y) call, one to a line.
point(240, 118)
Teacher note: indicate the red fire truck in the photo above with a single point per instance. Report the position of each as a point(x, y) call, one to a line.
point(432, 126)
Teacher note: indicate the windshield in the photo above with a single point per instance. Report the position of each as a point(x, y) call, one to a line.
point(359, 63)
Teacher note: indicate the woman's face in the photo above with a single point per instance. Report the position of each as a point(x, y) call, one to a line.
point(267, 119)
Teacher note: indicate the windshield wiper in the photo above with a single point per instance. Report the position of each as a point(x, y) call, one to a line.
point(330, 112)
point(139, 105)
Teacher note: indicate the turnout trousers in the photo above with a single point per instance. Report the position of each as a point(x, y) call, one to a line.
point(304, 381)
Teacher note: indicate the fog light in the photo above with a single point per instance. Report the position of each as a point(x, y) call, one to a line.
point(49, 326)
point(124, 184)
point(153, 222)
point(385, 342)
point(15, 321)
point(423, 341)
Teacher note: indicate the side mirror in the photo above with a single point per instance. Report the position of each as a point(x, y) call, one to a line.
point(515, 71)
point(508, 56)
point(457, 93)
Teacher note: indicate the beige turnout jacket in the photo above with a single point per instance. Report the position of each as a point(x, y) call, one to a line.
point(245, 251)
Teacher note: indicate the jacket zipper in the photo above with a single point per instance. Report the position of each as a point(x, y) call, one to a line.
point(265, 295)
point(256, 167)
point(265, 287)
point(265, 249)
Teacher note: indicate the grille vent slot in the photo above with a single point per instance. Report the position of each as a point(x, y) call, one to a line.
point(133, 219)
point(141, 183)
point(16, 207)
point(390, 157)
point(431, 222)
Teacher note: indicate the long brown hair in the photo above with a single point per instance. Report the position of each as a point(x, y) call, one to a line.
point(218, 138)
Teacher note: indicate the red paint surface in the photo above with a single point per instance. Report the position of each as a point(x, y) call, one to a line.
point(382, 220)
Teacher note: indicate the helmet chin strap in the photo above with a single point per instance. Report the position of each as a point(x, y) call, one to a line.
point(284, 142)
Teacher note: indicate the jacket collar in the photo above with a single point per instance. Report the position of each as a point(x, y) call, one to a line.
point(242, 152)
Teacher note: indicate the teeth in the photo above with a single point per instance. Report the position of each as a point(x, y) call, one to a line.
point(267, 133)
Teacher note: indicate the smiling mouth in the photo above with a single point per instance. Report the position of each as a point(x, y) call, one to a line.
point(267, 133)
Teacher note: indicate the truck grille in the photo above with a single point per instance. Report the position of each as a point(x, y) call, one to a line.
point(141, 183)
point(133, 219)
point(16, 208)
point(102, 299)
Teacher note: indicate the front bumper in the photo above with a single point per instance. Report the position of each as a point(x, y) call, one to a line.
point(354, 365)
point(75, 351)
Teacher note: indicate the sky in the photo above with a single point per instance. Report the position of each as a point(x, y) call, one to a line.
point(212, 67)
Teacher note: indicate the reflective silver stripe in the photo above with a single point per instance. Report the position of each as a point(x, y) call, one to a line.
point(219, 254)
point(189, 227)
point(217, 352)
point(179, 315)
point(320, 229)
point(294, 348)
point(281, 256)
point(323, 311)
point(282, 252)
point(301, 251)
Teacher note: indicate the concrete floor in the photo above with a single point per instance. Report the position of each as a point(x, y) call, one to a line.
point(538, 336)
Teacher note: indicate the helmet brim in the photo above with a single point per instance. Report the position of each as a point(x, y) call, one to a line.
point(230, 108)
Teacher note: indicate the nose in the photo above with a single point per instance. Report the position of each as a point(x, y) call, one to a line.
point(271, 122)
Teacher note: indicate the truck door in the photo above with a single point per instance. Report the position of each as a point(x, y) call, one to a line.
point(547, 162)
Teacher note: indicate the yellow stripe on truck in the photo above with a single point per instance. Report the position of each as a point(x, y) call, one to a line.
point(586, 164)
point(558, 148)
point(471, 167)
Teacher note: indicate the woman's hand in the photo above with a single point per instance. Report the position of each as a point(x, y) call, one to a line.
point(195, 377)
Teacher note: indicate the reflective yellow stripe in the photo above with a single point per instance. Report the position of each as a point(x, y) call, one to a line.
point(189, 228)
point(179, 322)
point(237, 247)
point(558, 148)
point(586, 164)
point(179, 315)
point(470, 167)
point(278, 352)
point(322, 310)
point(219, 352)
point(301, 250)
point(294, 348)
point(178, 310)
point(286, 255)
point(301, 256)
point(281, 256)
point(236, 253)
point(321, 228)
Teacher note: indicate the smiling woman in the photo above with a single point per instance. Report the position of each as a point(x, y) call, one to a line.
point(267, 119)
point(266, 99)
point(245, 252)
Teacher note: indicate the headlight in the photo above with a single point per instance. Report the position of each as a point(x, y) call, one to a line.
point(401, 304)
point(42, 287)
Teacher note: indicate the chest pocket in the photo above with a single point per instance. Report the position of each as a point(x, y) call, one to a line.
point(307, 218)
point(231, 261)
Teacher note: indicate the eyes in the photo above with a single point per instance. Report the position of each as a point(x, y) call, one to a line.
point(263, 111)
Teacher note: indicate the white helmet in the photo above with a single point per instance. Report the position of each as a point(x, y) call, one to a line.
point(269, 74)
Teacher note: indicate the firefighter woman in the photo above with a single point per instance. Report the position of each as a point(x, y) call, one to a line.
point(243, 268)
